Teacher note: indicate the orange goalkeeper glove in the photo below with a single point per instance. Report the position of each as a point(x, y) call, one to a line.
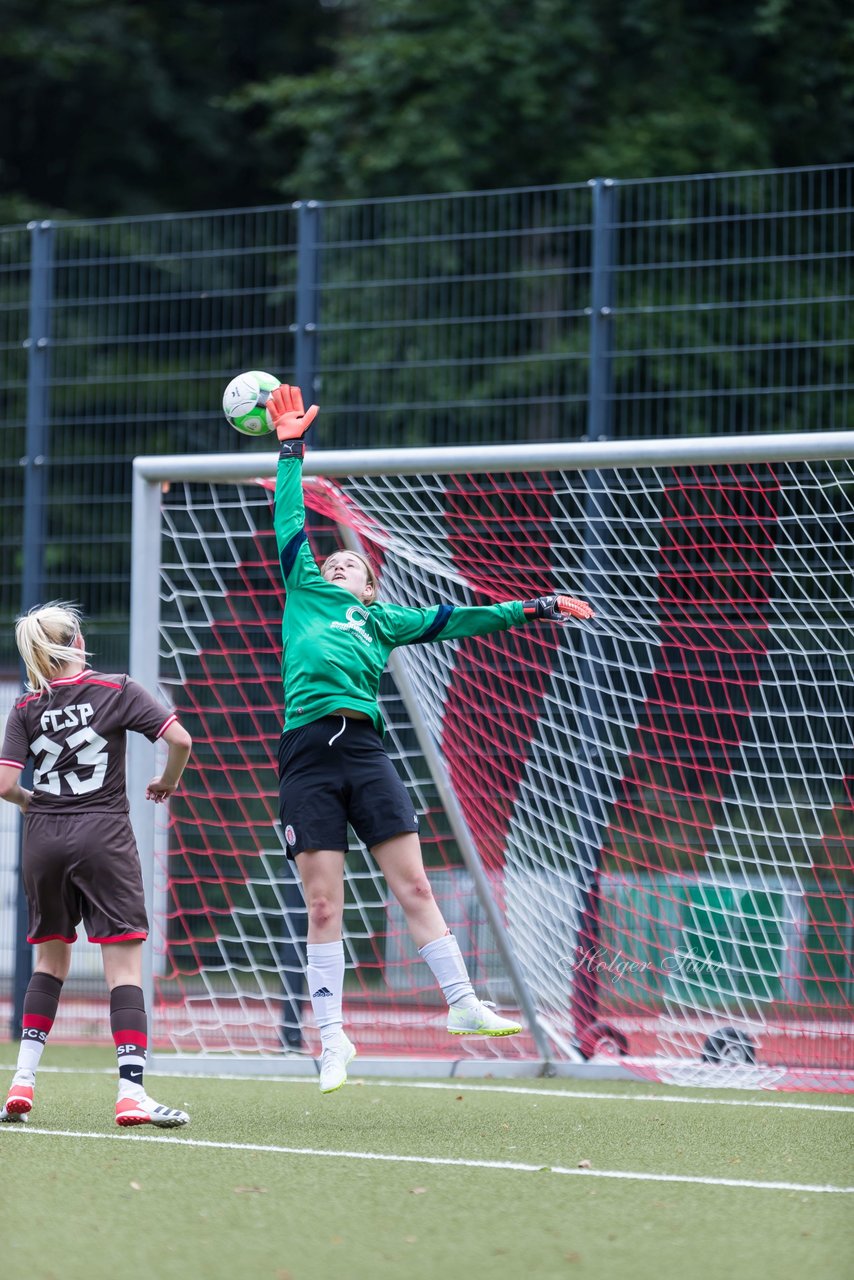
point(558, 609)
point(284, 409)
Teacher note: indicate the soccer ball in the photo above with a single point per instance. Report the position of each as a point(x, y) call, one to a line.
point(245, 399)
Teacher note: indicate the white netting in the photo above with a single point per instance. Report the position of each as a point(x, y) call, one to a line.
point(662, 798)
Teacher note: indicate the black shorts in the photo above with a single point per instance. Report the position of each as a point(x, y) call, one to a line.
point(335, 771)
point(85, 868)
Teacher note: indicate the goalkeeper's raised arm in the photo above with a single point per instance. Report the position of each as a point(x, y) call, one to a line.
point(290, 423)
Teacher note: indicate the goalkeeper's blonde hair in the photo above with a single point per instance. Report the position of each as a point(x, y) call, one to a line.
point(45, 638)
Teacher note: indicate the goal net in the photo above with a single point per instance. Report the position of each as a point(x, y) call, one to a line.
point(639, 828)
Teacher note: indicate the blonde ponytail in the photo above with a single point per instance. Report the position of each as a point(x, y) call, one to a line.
point(44, 637)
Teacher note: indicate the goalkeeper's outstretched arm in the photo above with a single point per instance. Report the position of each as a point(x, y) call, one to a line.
point(405, 625)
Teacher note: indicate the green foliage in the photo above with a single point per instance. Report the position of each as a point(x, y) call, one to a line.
point(434, 95)
point(117, 105)
point(123, 107)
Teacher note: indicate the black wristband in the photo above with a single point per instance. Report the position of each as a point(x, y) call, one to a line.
point(543, 609)
point(292, 449)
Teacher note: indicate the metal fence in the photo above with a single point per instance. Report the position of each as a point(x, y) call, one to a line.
point(711, 304)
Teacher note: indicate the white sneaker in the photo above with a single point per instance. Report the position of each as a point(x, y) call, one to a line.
point(334, 1062)
point(480, 1020)
point(135, 1109)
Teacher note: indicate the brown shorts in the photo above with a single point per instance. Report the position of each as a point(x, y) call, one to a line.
point(83, 868)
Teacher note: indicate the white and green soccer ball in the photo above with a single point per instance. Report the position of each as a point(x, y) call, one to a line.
point(244, 402)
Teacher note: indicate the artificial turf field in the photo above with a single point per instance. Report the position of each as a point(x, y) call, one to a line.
point(82, 1198)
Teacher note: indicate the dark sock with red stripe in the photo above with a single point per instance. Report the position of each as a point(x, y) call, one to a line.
point(129, 1025)
point(41, 1001)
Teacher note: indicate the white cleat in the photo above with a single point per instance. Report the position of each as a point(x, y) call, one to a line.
point(480, 1020)
point(334, 1062)
point(133, 1110)
point(13, 1117)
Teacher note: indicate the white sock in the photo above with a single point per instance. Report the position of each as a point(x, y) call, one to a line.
point(127, 1089)
point(449, 969)
point(29, 1054)
point(325, 973)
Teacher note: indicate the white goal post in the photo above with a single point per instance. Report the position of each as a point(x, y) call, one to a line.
point(640, 828)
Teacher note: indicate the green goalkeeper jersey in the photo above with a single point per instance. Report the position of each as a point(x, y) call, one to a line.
point(334, 648)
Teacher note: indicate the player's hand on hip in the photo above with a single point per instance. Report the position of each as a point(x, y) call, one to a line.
point(285, 411)
point(558, 608)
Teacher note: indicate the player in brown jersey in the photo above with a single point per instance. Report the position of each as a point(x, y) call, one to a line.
point(80, 860)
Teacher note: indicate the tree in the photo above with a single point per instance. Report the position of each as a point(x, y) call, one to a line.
point(438, 95)
point(115, 107)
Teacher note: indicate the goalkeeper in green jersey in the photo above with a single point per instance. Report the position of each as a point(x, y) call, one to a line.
point(333, 769)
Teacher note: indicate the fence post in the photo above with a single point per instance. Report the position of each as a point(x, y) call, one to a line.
point(37, 345)
point(307, 297)
point(291, 953)
point(593, 656)
point(601, 309)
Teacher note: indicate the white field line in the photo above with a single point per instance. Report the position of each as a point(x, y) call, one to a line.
point(616, 1097)
point(389, 1158)
point(462, 1086)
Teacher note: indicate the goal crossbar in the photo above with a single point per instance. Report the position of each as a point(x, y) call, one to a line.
point(577, 456)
